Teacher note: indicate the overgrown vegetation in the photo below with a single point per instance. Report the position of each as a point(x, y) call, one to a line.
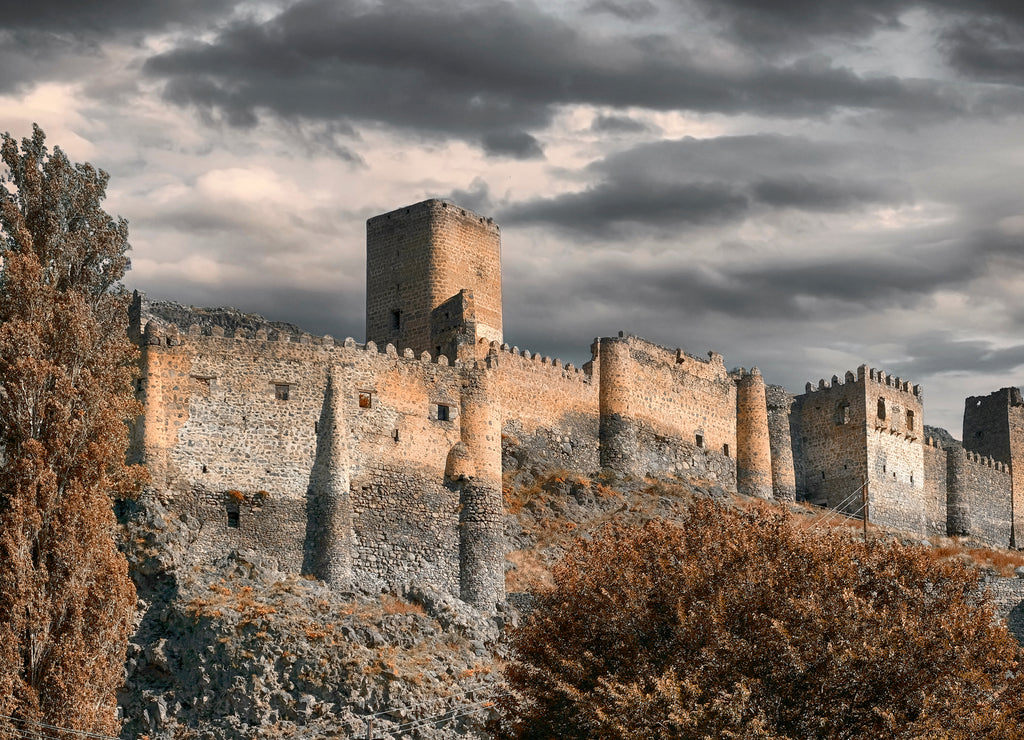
point(741, 624)
point(66, 602)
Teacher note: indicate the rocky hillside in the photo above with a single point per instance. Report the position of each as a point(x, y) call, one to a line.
point(239, 649)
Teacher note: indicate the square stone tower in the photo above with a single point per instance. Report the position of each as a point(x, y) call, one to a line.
point(433, 278)
point(867, 426)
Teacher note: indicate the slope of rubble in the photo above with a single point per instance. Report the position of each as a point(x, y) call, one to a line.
point(239, 649)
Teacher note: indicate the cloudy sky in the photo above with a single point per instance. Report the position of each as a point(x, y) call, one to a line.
point(802, 185)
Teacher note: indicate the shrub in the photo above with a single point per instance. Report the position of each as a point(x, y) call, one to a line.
point(740, 625)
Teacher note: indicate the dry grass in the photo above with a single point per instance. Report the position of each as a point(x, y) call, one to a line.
point(530, 573)
point(394, 605)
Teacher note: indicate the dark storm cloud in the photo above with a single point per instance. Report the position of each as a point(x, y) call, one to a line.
point(825, 193)
point(469, 71)
point(786, 25)
point(667, 185)
point(104, 16)
point(613, 210)
point(514, 144)
point(988, 49)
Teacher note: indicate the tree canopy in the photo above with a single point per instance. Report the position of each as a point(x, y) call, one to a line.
point(66, 374)
point(744, 625)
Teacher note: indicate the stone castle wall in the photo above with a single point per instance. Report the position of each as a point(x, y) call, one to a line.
point(832, 422)
point(664, 411)
point(369, 464)
point(896, 455)
point(550, 409)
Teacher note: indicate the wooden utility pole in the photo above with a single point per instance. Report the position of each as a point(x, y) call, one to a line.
point(864, 506)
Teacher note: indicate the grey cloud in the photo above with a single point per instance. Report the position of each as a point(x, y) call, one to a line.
point(941, 352)
point(988, 49)
point(612, 210)
point(788, 24)
point(619, 125)
point(666, 185)
point(477, 197)
point(470, 71)
point(105, 16)
point(825, 193)
point(627, 10)
point(514, 144)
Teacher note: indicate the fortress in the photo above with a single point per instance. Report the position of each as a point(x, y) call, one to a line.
point(381, 463)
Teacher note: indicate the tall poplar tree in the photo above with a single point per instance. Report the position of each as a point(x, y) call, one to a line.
point(66, 601)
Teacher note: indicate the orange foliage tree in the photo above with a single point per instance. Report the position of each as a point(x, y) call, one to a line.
point(742, 625)
point(66, 602)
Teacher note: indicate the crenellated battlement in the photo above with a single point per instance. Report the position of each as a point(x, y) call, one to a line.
point(525, 359)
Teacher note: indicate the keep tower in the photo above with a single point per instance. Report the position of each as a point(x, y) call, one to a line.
point(433, 279)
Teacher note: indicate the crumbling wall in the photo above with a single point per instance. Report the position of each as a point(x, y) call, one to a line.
point(664, 411)
point(549, 409)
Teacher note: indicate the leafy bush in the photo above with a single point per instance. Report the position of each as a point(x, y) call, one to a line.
point(741, 625)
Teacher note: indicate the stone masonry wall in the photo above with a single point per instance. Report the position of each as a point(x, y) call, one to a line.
point(896, 455)
point(994, 427)
point(550, 409)
point(237, 420)
point(831, 437)
point(666, 412)
point(986, 485)
point(936, 492)
point(779, 405)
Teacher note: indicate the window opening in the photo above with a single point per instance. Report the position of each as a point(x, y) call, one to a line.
point(843, 413)
point(443, 412)
point(365, 399)
point(234, 519)
point(700, 440)
point(910, 420)
point(725, 450)
point(394, 435)
point(437, 351)
point(396, 320)
point(823, 475)
point(282, 391)
point(881, 409)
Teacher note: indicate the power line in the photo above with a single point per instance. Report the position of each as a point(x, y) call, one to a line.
point(80, 733)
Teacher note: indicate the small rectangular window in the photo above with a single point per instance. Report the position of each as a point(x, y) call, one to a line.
point(700, 440)
point(443, 412)
point(725, 450)
point(281, 391)
point(396, 320)
point(910, 420)
point(234, 519)
point(365, 399)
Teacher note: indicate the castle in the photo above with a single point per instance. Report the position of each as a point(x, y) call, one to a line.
point(380, 463)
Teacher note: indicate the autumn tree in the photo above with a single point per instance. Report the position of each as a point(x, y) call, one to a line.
point(744, 625)
point(66, 602)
